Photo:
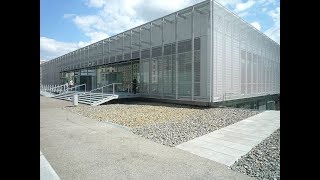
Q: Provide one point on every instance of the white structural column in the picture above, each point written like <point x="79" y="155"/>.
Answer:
<point x="192" y="54"/>
<point x="240" y="60"/>
<point x="102" y="52"/>
<point x="211" y="51"/>
<point x="162" y="59"/>
<point x="109" y="50"/>
<point x="130" y="44"/>
<point x="224" y="63"/>
<point x="176" y="41"/>
<point x="150" y="61"/>
<point x="122" y="46"/>
<point x="140" y="55"/>
<point x="131" y="57"/>
<point x="231" y="56"/>
<point x="88" y="56"/>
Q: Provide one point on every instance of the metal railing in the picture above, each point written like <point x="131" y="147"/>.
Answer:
<point x="85" y="87"/>
<point x="101" y="88"/>
<point x="53" y="88"/>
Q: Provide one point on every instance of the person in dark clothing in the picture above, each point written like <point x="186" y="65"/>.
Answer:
<point x="134" y="86"/>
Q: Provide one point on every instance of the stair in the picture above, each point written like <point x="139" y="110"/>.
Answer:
<point x="95" y="99"/>
<point x="92" y="99"/>
<point x="68" y="95"/>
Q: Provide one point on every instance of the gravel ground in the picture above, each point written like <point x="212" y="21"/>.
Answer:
<point x="166" y="124"/>
<point x="138" y="114"/>
<point x="263" y="161"/>
<point x="174" y="133"/>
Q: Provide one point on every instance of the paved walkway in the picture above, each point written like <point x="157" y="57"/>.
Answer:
<point x="83" y="148"/>
<point x="228" y="144"/>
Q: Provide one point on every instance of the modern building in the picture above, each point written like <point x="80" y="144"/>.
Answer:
<point x="41" y="61"/>
<point x="203" y="53"/>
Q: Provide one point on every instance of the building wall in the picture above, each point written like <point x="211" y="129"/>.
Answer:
<point x="41" y="62"/>
<point x="246" y="63"/>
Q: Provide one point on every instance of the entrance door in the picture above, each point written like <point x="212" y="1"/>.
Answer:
<point x="86" y="80"/>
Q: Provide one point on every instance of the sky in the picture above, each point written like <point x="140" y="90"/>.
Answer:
<point x="69" y="25"/>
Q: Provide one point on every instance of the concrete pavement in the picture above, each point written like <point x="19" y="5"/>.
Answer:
<point x="82" y="148"/>
<point x="228" y="144"/>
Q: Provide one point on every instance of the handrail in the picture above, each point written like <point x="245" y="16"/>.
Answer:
<point x="100" y="87"/>
<point x="85" y="87"/>
<point x="104" y="86"/>
<point x="113" y="89"/>
<point x="51" y="89"/>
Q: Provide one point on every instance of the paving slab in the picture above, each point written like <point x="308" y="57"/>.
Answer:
<point x="228" y="144"/>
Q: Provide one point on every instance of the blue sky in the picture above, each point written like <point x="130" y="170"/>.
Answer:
<point x="68" y="25"/>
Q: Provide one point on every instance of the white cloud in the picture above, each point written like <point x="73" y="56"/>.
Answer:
<point x="244" y="6"/>
<point x="92" y="26"/>
<point x="256" y="25"/>
<point x="264" y="9"/>
<point x="274" y="31"/>
<point x="50" y="48"/>
<point x="275" y="14"/>
<point x="115" y="16"/>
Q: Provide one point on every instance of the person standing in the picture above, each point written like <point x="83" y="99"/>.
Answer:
<point x="71" y="84"/>
<point x="134" y="86"/>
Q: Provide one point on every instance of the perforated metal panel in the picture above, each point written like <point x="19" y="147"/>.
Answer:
<point x="144" y="76"/>
<point x="197" y="73"/>
<point x="167" y="49"/>
<point x="156" y="51"/>
<point x="127" y="56"/>
<point x="145" y="53"/>
<point x="184" y="46"/>
<point x="135" y="54"/>
<point x="112" y="59"/>
<point x="119" y="58"/>
<point x="241" y="56"/>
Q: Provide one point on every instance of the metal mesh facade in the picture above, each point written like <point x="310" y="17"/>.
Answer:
<point x="191" y="54"/>
<point x="246" y="63"/>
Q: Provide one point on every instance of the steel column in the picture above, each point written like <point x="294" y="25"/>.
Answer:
<point x="150" y="61"/>
<point x="162" y="54"/>
<point x="192" y="54"/>
<point x="176" y="41"/>
<point x="211" y="59"/>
